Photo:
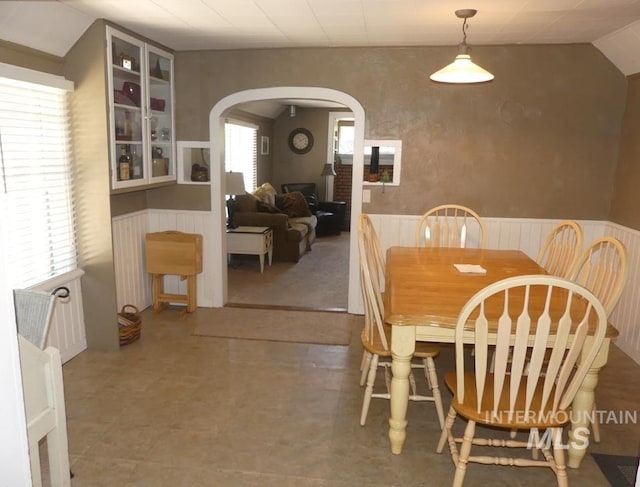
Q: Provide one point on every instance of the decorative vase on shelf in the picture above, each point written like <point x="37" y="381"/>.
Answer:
<point x="374" y="164"/>
<point x="157" y="71"/>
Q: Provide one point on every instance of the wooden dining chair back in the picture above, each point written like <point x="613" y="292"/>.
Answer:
<point x="602" y="268"/>
<point x="561" y="249"/>
<point x="371" y="282"/>
<point x="541" y="326"/>
<point x="376" y="334"/>
<point x="451" y="226"/>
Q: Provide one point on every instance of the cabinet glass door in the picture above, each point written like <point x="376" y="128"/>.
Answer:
<point x="160" y="127"/>
<point x="127" y="100"/>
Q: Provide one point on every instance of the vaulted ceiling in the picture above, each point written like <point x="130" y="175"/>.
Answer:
<point x="53" y="26"/>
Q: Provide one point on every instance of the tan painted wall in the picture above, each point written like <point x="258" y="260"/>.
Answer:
<point x="290" y="167"/>
<point x="26" y="57"/>
<point x="625" y="207"/>
<point x="85" y="65"/>
<point x="540" y="141"/>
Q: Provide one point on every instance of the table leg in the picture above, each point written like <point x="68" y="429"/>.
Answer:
<point x="270" y="255"/>
<point x="192" y="293"/>
<point x="582" y="409"/>
<point x="403" y="345"/>
<point x="261" y="256"/>
<point x="157" y="285"/>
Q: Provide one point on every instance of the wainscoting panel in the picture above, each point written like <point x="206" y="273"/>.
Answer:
<point x="502" y="233"/>
<point x="188" y="222"/>
<point x="527" y="235"/>
<point x="133" y="284"/>
<point x="626" y="316"/>
<point x="67" y="331"/>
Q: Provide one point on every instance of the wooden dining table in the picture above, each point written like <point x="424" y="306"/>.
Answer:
<point x="424" y="294"/>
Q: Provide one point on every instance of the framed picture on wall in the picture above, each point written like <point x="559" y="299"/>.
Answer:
<point x="264" y="145"/>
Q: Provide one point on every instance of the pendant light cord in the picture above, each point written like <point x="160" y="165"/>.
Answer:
<point x="464" y="31"/>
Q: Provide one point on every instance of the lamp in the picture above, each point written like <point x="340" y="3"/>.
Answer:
<point x="462" y="69"/>
<point x="327" y="170"/>
<point x="234" y="182"/>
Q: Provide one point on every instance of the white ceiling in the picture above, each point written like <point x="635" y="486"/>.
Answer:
<point x="53" y="26"/>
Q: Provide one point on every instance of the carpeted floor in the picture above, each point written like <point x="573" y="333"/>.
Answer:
<point x="620" y="471"/>
<point x="320" y="279"/>
<point x="275" y="325"/>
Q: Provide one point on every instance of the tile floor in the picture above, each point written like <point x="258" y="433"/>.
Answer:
<point x="177" y="410"/>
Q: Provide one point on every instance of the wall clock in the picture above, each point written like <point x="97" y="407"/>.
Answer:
<point x="300" y="141"/>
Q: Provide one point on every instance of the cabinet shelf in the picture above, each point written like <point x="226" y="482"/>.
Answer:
<point x="158" y="81"/>
<point x="133" y="108"/>
<point x="129" y="73"/>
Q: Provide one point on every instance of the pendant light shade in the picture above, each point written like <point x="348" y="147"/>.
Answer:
<point x="462" y="69"/>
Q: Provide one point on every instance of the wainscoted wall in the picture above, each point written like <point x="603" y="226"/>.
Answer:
<point x="66" y="332"/>
<point x="133" y="284"/>
<point x="626" y="316"/>
<point x="527" y="235"/>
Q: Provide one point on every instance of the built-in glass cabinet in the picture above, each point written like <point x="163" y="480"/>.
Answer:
<point x="142" y="144"/>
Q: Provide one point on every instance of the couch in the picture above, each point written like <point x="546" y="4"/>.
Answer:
<point x="292" y="234"/>
<point x="330" y="214"/>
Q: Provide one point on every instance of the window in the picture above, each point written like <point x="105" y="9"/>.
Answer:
<point x="35" y="176"/>
<point x="241" y="151"/>
<point x="346" y="135"/>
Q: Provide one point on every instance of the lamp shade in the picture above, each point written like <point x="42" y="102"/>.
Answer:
<point x="462" y="70"/>
<point x="234" y="183"/>
<point x="327" y="170"/>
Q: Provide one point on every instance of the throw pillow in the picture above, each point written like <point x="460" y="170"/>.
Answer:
<point x="267" y="193"/>
<point x="266" y="207"/>
<point x="293" y="204"/>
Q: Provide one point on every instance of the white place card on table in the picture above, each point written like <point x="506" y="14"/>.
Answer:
<point x="470" y="268"/>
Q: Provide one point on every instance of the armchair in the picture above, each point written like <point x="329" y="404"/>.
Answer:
<point x="330" y="214"/>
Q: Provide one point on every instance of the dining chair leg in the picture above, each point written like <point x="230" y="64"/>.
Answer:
<point x="558" y="456"/>
<point x="368" y="392"/>
<point x="364" y="367"/>
<point x="435" y="389"/>
<point x="446" y="435"/>
<point x="465" y="451"/>
<point x="426" y="373"/>
<point x="595" y="425"/>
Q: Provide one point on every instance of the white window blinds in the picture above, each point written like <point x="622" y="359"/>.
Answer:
<point x="35" y="167"/>
<point x="241" y="151"/>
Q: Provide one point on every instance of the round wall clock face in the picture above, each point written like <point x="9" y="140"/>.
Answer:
<point x="300" y="141"/>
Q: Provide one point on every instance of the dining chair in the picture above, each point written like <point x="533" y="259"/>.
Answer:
<point x="376" y="334"/>
<point x="450" y="226"/>
<point x="559" y="251"/>
<point x="572" y="325"/>
<point x="561" y="248"/>
<point x="602" y="268"/>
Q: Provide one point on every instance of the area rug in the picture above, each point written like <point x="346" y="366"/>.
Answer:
<point x="276" y="325"/>
<point x="620" y="471"/>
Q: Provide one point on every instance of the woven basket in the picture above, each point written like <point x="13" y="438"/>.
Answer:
<point x="129" y="324"/>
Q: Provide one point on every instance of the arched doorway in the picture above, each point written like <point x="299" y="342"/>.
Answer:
<point x="216" y="251"/>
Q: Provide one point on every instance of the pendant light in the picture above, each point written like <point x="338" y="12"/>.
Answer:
<point x="462" y="69"/>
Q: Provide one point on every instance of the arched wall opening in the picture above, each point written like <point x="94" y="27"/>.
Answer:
<point x="216" y="251"/>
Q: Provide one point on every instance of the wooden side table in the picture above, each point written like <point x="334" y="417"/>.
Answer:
<point x="250" y="241"/>
<point x="174" y="253"/>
